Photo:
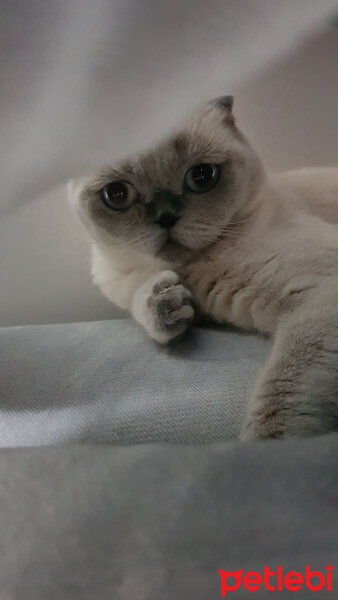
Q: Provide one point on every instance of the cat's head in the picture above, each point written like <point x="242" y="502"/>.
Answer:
<point x="177" y="198"/>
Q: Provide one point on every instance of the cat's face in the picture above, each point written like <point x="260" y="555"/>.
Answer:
<point x="178" y="198"/>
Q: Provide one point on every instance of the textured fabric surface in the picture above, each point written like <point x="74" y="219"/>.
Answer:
<point x="152" y="521"/>
<point x="108" y="382"/>
<point x="156" y="523"/>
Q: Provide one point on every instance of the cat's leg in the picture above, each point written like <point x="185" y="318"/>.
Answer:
<point x="297" y="392"/>
<point x="163" y="306"/>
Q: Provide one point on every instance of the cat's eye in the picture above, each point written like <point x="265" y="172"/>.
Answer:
<point x="201" y="178"/>
<point x="118" y="195"/>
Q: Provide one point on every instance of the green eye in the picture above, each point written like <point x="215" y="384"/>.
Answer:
<point x="201" y="178"/>
<point x="118" y="195"/>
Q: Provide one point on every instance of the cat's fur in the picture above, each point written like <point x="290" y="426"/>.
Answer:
<point x="257" y="251"/>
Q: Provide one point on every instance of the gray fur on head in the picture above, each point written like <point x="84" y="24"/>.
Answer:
<point x="208" y="137"/>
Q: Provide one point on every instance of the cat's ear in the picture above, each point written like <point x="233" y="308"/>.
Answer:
<point x="225" y="104"/>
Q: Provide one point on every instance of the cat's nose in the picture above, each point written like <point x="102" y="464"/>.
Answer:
<point x="167" y="220"/>
<point x="164" y="208"/>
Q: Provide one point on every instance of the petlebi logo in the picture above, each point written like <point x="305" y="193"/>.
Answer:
<point x="276" y="580"/>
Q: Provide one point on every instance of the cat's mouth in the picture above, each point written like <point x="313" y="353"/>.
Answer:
<point x="171" y="249"/>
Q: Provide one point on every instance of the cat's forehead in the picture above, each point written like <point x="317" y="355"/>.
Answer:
<point x="205" y="138"/>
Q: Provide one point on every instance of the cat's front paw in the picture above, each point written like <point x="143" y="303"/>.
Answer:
<point x="164" y="307"/>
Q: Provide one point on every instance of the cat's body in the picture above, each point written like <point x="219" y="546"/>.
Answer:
<point x="294" y="250"/>
<point x="266" y="261"/>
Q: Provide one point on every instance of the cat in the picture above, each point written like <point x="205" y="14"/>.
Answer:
<point x="196" y="227"/>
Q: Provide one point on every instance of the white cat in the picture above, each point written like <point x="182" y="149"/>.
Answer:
<point x="196" y="226"/>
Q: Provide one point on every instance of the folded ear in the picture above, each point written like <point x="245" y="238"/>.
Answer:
<point x="225" y="103"/>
